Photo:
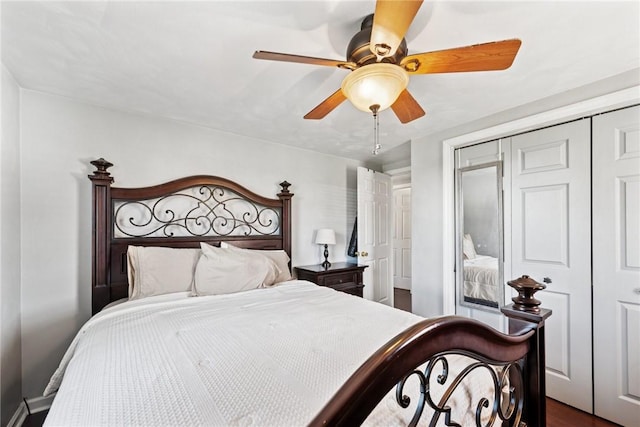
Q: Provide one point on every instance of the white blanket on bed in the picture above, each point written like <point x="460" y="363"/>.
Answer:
<point x="481" y="278"/>
<point x="262" y="357"/>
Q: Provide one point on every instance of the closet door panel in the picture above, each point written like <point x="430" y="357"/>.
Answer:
<point x="550" y="237"/>
<point x="558" y="329"/>
<point x="545" y="224"/>
<point x="616" y="265"/>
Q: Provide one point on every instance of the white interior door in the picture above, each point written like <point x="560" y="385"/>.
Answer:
<point x="374" y="234"/>
<point x="616" y="265"/>
<point x="551" y="229"/>
<point x="402" y="238"/>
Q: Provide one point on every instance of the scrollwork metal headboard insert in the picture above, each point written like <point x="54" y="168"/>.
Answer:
<point x="204" y="210"/>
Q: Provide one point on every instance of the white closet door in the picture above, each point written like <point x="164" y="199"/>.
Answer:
<point x="551" y="229"/>
<point x="616" y="265"/>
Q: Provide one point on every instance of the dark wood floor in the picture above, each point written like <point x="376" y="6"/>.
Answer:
<point x="402" y="299"/>
<point x="561" y="415"/>
<point x="558" y="415"/>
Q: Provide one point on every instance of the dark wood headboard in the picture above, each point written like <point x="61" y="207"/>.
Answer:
<point x="178" y="214"/>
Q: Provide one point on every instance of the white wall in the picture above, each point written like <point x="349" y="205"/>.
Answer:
<point x="10" y="346"/>
<point x="60" y="137"/>
<point x="426" y="227"/>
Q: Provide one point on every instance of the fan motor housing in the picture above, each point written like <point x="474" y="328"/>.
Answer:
<point x="358" y="49"/>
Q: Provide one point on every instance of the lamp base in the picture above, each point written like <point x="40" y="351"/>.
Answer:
<point x="326" y="264"/>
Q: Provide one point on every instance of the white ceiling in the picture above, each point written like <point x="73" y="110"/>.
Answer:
<point x="192" y="61"/>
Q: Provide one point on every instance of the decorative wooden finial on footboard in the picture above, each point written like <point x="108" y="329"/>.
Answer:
<point x="526" y="288"/>
<point x="525" y="306"/>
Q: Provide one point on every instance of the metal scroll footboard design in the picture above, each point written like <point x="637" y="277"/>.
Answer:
<point x="195" y="212"/>
<point x="505" y="402"/>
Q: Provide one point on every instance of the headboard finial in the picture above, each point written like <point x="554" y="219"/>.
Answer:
<point x="101" y="168"/>
<point x="285" y="186"/>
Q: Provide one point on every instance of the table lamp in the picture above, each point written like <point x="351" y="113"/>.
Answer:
<point x="326" y="236"/>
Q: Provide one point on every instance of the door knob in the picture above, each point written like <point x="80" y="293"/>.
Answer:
<point x="546" y="280"/>
<point x="364" y="253"/>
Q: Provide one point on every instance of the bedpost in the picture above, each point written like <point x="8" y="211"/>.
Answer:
<point x="285" y="196"/>
<point x="100" y="234"/>
<point x="526" y="308"/>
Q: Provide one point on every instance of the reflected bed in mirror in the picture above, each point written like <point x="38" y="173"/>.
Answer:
<point x="479" y="236"/>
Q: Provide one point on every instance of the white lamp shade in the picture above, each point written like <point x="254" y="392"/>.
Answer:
<point x="375" y="84"/>
<point x="326" y="236"/>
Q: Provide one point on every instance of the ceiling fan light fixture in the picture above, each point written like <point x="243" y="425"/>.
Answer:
<point x="375" y="84"/>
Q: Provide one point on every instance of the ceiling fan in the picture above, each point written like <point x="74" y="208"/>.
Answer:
<point x="380" y="65"/>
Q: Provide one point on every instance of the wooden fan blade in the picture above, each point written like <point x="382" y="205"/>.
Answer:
<point x="480" y="57"/>
<point x="391" y="20"/>
<point x="286" y="57"/>
<point x="407" y="108"/>
<point x="326" y="106"/>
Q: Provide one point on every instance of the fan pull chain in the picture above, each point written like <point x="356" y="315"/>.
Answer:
<point x="376" y="129"/>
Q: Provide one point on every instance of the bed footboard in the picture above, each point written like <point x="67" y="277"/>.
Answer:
<point x="516" y="361"/>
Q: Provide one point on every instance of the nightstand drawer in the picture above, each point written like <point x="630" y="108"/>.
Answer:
<point x="338" y="278"/>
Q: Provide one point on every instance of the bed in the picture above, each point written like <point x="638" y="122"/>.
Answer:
<point x="287" y="353"/>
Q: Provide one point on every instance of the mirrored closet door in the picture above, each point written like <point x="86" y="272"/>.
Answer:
<point x="479" y="236"/>
<point x="479" y="232"/>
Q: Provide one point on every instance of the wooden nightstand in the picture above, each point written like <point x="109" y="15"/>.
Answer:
<point x="341" y="276"/>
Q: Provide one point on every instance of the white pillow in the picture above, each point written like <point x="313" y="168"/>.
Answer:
<point x="226" y="270"/>
<point x="278" y="256"/>
<point x="468" y="248"/>
<point x="154" y="270"/>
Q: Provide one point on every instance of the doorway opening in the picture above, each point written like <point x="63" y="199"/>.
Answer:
<point x="401" y="236"/>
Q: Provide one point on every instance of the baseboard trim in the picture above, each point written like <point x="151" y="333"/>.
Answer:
<point x="19" y="416"/>
<point x="39" y="404"/>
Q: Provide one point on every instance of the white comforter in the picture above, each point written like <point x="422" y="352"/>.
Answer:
<point x="481" y="278"/>
<point x="197" y="357"/>
<point x="262" y="357"/>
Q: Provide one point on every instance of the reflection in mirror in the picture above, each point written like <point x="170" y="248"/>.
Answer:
<point x="479" y="236"/>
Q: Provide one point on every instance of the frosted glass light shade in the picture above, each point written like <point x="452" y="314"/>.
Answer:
<point x="378" y="83"/>
<point x="326" y="236"/>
